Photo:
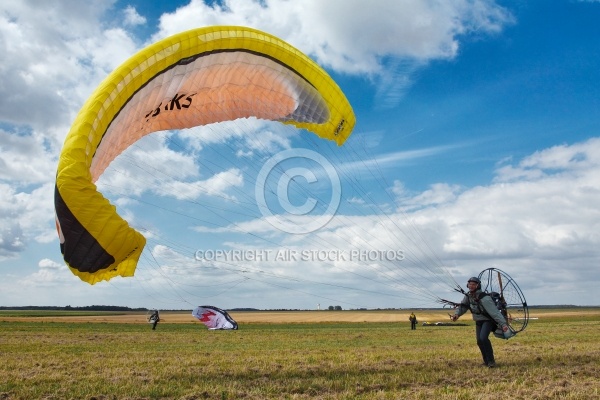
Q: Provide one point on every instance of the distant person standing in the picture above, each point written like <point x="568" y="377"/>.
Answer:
<point x="413" y="321"/>
<point x="154" y="318"/>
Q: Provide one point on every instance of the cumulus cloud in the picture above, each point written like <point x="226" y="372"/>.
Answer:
<point x="50" y="264"/>
<point x="522" y="223"/>
<point x="53" y="55"/>
<point x="25" y="217"/>
<point x="349" y="35"/>
<point x="216" y="185"/>
<point x="387" y="40"/>
<point x="132" y="17"/>
<point x="542" y="213"/>
<point x="562" y="159"/>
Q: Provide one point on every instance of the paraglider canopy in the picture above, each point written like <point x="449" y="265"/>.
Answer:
<point x="199" y="77"/>
<point x="214" y="318"/>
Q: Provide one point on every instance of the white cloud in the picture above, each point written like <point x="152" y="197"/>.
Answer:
<point x="25" y="217"/>
<point x="369" y="164"/>
<point x="151" y="166"/>
<point x="349" y="35"/>
<point x="49" y="59"/>
<point x="50" y="264"/>
<point x="53" y="55"/>
<point x="25" y="158"/>
<point x="42" y="285"/>
<point x="251" y="134"/>
<point x="148" y="165"/>
<point x="542" y="216"/>
<point x="556" y="160"/>
<point x="216" y="185"/>
<point x="387" y="39"/>
<point x="547" y="222"/>
<point x="132" y="17"/>
<point x="439" y="193"/>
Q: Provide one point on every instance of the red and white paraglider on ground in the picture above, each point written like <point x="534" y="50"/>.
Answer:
<point x="214" y="318"/>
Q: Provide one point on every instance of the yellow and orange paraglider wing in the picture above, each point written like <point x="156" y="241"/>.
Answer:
<point x="198" y="77"/>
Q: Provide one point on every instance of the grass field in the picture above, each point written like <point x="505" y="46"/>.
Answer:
<point x="293" y="355"/>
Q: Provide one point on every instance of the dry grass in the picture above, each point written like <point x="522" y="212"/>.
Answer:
<point x="242" y="317"/>
<point x="557" y="357"/>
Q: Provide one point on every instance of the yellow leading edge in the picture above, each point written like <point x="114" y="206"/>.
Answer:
<point x="203" y="76"/>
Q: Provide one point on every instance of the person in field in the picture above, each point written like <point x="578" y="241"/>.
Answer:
<point x="487" y="318"/>
<point x="413" y="321"/>
<point x="154" y="318"/>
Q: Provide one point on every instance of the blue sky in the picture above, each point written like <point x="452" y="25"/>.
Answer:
<point x="477" y="145"/>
